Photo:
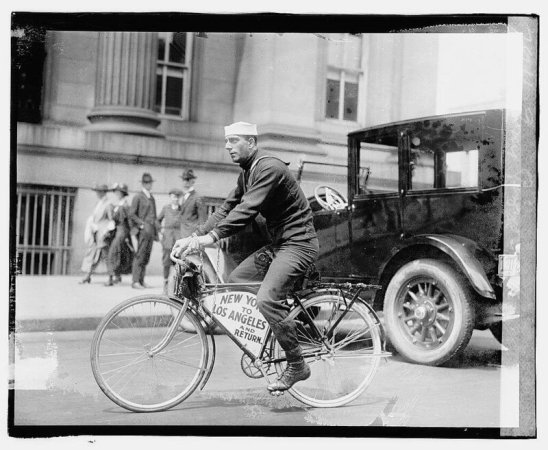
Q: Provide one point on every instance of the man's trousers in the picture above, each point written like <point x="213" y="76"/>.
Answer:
<point x="290" y="261"/>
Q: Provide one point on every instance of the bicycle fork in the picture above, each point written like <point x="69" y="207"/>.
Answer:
<point x="170" y="332"/>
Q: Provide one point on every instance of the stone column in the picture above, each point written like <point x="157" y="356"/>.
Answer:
<point x="125" y="84"/>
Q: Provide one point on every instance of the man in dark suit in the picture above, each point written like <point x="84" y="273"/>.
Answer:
<point x="193" y="210"/>
<point x="142" y="216"/>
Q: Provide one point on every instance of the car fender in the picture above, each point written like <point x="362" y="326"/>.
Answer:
<point x="461" y="251"/>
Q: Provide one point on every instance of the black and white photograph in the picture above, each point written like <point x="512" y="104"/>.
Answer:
<point x="273" y="224"/>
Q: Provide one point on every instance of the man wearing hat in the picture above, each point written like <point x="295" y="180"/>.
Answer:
<point x="266" y="186"/>
<point x="193" y="210"/>
<point x="96" y="233"/>
<point x="142" y="217"/>
<point x="169" y="220"/>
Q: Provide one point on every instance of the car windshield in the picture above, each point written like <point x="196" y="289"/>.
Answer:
<point x="378" y="159"/>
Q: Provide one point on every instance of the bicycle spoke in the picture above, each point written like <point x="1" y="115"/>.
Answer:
<point x="134" y="362"/>
<point x="126" y="372"/>
<point x="182" y="363"/>
<point x="177" y="346"/>
<point x="129" y="379"/>
<point x="349" y="339"/>
<point x="121" y="354"/>
<point x="305" y="338"/>
<point x="343" y="366"/>
<point x="120" y="344"/>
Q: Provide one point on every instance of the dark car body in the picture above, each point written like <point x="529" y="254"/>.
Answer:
<point x="429" y="189"/>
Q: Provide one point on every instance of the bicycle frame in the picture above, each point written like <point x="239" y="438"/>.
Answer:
<point x="342" y="339"/>
<point x="199" y="308"/>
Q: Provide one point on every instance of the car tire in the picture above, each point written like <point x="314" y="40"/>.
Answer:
<point x="428" y="312"/>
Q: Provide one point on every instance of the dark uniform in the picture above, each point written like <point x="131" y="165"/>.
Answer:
<point x="193" y="213"/>
<point x="266" y="186"/>
<point x="143" y="219"/>
<point x="171" y="231"/>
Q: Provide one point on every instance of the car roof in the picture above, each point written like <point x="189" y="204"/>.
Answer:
<point x="421" y="119"/>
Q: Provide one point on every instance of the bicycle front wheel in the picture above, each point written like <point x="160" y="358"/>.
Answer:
<point x="343" y="358"/>
<point x="130" y="374"/>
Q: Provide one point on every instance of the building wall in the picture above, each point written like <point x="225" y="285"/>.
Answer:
<point x="275" y="80"/>
<point x="69" y="77"/>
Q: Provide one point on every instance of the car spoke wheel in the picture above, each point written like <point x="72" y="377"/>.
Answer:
<point x="428" y="313"/>
<point x="425" y="312"/>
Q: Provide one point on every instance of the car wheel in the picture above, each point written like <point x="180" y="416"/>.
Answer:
<point x="428" y="312"/>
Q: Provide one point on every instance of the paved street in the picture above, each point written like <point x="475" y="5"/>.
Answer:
<point x="52" y="370"/>
<point x="54" y="385"/>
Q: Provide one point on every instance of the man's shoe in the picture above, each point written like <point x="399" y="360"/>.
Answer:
<point x="294" y="372"/>
<point x="109" y="282"/>
<point x="117" y="279"/>
<point x="144" y="285"/>
<point x="136" y="285"/>
<point x="86" y="280"/>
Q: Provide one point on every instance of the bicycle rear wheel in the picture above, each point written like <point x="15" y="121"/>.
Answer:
<point x="129" y="374"/>
<point x="343" y="360"/>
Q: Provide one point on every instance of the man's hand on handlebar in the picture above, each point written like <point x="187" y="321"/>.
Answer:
<point x="190" y="244"/>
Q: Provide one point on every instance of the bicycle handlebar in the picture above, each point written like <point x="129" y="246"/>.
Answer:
<point x="180" y="260"/>
<point x="175" y="259"/>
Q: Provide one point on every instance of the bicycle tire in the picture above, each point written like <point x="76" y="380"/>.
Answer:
<point x="128" y="374"/>
<point x="338" y="377"/>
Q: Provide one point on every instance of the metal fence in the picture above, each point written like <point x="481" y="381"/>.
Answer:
<point x="212" y="203"/>
<point x="44" y="229"/>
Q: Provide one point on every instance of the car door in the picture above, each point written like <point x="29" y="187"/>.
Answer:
<point x="375" y="218"/>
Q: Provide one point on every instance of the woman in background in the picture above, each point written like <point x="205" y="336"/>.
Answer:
<point x="170" y="220"/>
<point x="120" y="255"/>
<point x="97" y="233"/>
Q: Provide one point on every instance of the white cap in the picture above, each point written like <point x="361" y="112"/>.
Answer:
<point x="242" y="129"/>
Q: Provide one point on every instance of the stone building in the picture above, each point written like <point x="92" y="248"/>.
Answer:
<point x="104" y="107"/>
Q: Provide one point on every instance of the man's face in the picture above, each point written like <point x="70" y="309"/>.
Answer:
<point x="148" y="185"/>
<point x="187" y="184"/>
<point x="174" y="199"/>
<point x="239" y="147"/>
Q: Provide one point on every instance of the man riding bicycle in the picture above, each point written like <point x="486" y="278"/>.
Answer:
<point x="266" y="186"/>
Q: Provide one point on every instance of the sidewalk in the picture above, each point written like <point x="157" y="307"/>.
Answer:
<point x="60" y="303"/>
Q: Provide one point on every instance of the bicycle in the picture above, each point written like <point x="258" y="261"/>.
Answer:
<point x="152" y="352"/>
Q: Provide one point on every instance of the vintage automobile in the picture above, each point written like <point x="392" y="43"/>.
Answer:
<point x="423" y="218"/>
<point x="421" y="215"/>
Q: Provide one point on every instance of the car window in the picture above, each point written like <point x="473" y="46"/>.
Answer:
<point x="443" y="154"/>
<point x="378" y="171"/>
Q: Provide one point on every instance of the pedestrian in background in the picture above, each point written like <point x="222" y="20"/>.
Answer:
<point x="120" y="253"/>
<point x="169" y="220"/>
<point x="193" y="210"/>
<point x="97" y="233"/>
<point x="144" y="226"/>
